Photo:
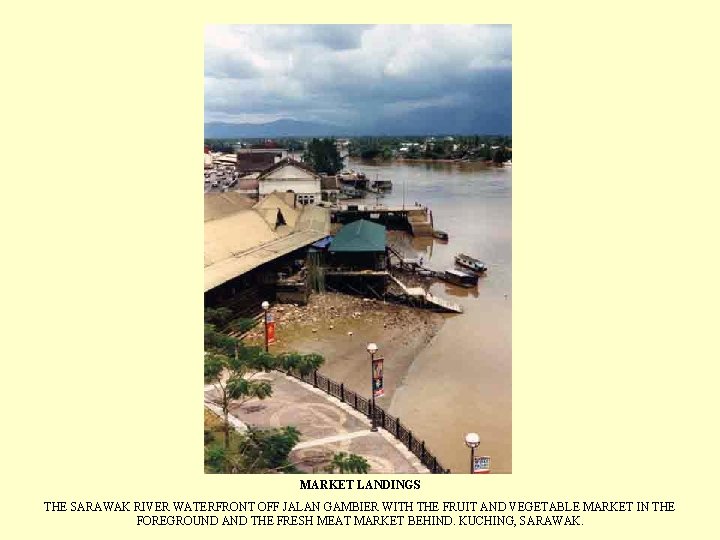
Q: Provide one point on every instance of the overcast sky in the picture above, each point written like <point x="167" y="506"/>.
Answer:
<point x="354" y="73"/>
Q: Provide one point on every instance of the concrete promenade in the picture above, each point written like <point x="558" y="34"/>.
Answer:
<point x="326" y="425"/>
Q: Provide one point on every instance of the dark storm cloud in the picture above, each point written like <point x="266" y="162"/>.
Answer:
<point x="354" y="74"/>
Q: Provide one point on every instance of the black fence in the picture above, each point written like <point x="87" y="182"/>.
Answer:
<point x="383" y="420"/>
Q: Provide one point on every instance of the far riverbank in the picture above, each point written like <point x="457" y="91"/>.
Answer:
<point x="426" y="160"/>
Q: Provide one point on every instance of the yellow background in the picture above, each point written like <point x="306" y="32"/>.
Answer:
<point x="615" y="263"/>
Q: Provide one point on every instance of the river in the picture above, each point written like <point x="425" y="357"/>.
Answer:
<point x="462" y="382"/>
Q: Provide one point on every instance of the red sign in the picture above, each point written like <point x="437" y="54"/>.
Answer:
<point x="377" y="377"/>
<point x="270" y="329"/>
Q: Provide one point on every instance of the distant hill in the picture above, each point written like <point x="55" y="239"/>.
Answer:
<point x="278" y="128"/>
<point x="426" y="121"/>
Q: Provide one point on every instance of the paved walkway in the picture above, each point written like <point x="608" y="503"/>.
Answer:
<point x="326" y="427"/>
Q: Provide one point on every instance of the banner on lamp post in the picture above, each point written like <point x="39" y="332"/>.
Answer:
<point x="377" y="377"/>
<point x="481" y="465"/>
<point x="270" y="328"/>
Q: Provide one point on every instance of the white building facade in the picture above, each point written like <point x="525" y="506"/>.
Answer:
<point x="291" y="176"/>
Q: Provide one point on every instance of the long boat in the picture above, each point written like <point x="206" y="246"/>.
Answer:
<point x="466" y="261"/>
<point x="456" y="277"/>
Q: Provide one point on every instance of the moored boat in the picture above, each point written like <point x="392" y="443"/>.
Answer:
<point x="381" y="185"/>
<point x="456" y="277"/>
<point x="440" y="235"/>
<point x="466" y="261"/>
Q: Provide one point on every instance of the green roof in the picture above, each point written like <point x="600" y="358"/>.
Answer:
<point x="359" y="236"/>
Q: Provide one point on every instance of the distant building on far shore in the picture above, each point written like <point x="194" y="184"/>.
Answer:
<point x="258" y="159"/>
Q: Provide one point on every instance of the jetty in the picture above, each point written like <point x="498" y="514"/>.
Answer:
<point x="421" y="297"/>
<point x="415" y="219"/>
<point x="412" y="264"/>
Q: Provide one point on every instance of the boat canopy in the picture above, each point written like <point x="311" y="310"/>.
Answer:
<point x="457" y="273"/>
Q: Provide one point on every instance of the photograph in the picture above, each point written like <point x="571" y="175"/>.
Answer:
<point x="357" y="249"/>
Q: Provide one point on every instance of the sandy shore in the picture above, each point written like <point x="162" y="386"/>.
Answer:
<point x="339" y="327"/>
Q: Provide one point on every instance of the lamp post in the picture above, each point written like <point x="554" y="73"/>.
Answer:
<point x="266" y="305"/>
<point x="372" y="349"/>
<point x="472" y="440"/>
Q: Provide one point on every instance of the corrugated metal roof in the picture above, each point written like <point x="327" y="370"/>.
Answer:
<point x="237" y="243"/>
<point x="359" y="236"/>
<point x="218" y="205"/>
<point x="288" y="162"/>
<point x="276" y="201"/>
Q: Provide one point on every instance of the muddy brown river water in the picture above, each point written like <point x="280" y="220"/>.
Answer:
<point x="462" y="381"/>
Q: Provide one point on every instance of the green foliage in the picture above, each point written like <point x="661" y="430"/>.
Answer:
<point x="255" y="451"/>
<point x="348" y="464"/>
<point x="218" y="317"/>
<point x="214" y="365"/>
<point x="243" y="389"/>
<point x="209" y="437"/>
<point x="230" y="366"/>
<point x="323" y="156"/>
<point x="241" y="325"/>
<point x="232" y="374"/>
<point x="303" y="364"/>
<point x="222" y="318"/>
<point x="370" y="153"/>
<point x="470" y="147"/>
<point x="215" y="458"/>
<point x="252" y="359"/>
<point x="218" y="342"/>
<point x="221" y="145"/>
<point x="499" y="156"/>
<point x="263" y="450"/>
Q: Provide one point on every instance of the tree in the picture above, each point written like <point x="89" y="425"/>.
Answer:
<point x="302" y="364"/>
<point x="348" y="464"/>
<point x="323" y="156"/>
<point x="218" y="342"/>
<point x="224" y="318"/>
<point x="218" y="317"/>
<point x="231" y="367"/>
<point x="268" y="451"/>
<point x="216" y="458"/>
<point x="256" y="451"/>
<point x="370" y="152"/>
<point x="499" y="156"/>
<point x="232" y="377"/>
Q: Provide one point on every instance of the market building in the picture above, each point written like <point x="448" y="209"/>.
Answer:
<point x="250" y="246"/>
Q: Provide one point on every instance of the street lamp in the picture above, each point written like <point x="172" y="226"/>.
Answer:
<point x="372" y="349"/>
<point x="472" y="440"/>
<point x="266" y="305"/>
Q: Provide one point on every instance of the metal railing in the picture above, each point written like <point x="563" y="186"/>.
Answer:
<point x="384" y="420"/>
